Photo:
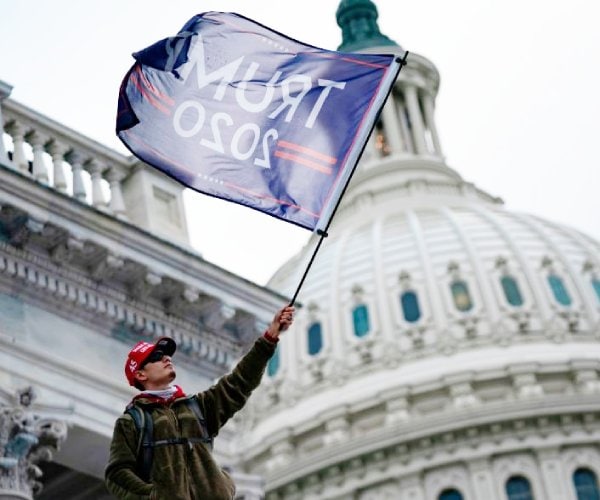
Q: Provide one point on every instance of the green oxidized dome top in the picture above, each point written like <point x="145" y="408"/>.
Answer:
<point x="358" y="20"/>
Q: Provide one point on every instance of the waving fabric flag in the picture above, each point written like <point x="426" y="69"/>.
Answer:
<point x="237" y="111"/>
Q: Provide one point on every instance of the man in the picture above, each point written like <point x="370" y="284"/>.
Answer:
<point x="182" y="466"/>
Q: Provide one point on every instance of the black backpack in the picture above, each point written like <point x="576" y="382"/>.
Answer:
<point x="146" y="444"/>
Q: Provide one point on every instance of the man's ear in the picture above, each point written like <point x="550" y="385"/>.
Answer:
<point x="140" y="376"/>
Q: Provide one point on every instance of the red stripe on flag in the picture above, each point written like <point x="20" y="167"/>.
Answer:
<point x="144" y="92"/>
<point x="349" y="59"/>
<point x="308" y="151"/>
<point x="152" y="88"/>
<point x="135" y="138"/>
<point x="303" y="161"/>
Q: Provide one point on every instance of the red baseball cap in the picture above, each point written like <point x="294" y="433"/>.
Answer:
<point x="140" y="353"/>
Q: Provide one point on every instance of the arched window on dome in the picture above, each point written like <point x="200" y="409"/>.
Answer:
<point x="511" y="290"/>
<point x="559" y="290"/>
<point x="596" y="285"/>
<point x="518" y="488"/>
<point x="450" y="494"/>
<point x="360" y="320"/>
<point x="410" y="306"/>
<point x="461" y="295"/>
<point x="273" y="364"/>
<point x="315" y="338"/>
<point x="586" y="484"/>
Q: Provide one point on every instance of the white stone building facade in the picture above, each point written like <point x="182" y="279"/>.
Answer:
<point x="94" y="256"/>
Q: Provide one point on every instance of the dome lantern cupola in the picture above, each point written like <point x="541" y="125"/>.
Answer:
<point x="405" y="138"/>
<point x="358" y="20"/>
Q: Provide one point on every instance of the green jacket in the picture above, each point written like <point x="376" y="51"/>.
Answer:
<point x="184" y="472"/>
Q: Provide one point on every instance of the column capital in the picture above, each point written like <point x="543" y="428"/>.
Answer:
<point x="36" y="138"/>
<point x="95" y="166"/>
<point x="26" y="438"/>
<point x="56" y="148"/>
<point x="75" y="156"/>
<point x="15" y="129"/>
<point x="115" y="174"/>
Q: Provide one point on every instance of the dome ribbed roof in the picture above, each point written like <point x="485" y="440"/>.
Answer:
<point x="404" y="239"/>
<point x="423" y="237"/>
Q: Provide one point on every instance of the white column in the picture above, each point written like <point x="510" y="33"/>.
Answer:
<point x="57" y="152"/>
<point x="74" y="158"/>
<point x="117" y="205"/>
<point x="39" y="168"/>
<point x="404" y="129"/>
<point x="98" y="201"/>
<point x="336" y="321"/>
<point x="416" y="120"/>
<point x="5" y="91"/>
<point x="430" y="121"/>
<point x="391" y="126"/>
<point x="482" y="479"/>
<point x="552" y="474"/>
<point x="386" y="322"/>
<point x="19" y="159"/>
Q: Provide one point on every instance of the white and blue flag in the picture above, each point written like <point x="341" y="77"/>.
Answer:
<point x="235" y="110"/>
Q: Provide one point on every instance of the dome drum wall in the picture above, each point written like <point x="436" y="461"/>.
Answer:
<point x="431" y="427"/>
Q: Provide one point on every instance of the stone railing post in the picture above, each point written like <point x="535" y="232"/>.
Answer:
<point x="96" y="168"/>
<point x="57" y="151"/>
<point x="117" y="205"/>
<point x="17" y="132"/>
<point x="76" y="161"/>
<point x="39" y="168"/>
<point x="5" y="90"/>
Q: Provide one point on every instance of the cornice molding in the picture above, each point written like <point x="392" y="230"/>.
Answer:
<point x="403" y="450"/>
<point x="83" y="222"/>
<point x="443" y="404"/>
<point x="70" y="293"/>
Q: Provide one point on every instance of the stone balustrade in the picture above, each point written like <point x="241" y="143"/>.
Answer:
<point x="61" y="158"/>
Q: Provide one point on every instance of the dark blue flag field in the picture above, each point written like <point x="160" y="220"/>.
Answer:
<point x="237" y="111"/>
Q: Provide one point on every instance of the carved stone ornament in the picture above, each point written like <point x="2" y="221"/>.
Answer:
<point x="25" y="440"/>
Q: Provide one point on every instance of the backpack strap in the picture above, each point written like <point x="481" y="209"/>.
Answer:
<point x="192" y="403"/>
<point x="145" y="427"/>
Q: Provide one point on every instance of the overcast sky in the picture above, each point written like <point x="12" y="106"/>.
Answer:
<point x="518" y="110"/>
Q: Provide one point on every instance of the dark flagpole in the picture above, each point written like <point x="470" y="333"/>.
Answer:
<point x="323" y="233"/>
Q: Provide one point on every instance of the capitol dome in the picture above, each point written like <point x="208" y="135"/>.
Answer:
<point x="447" y="348"/>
